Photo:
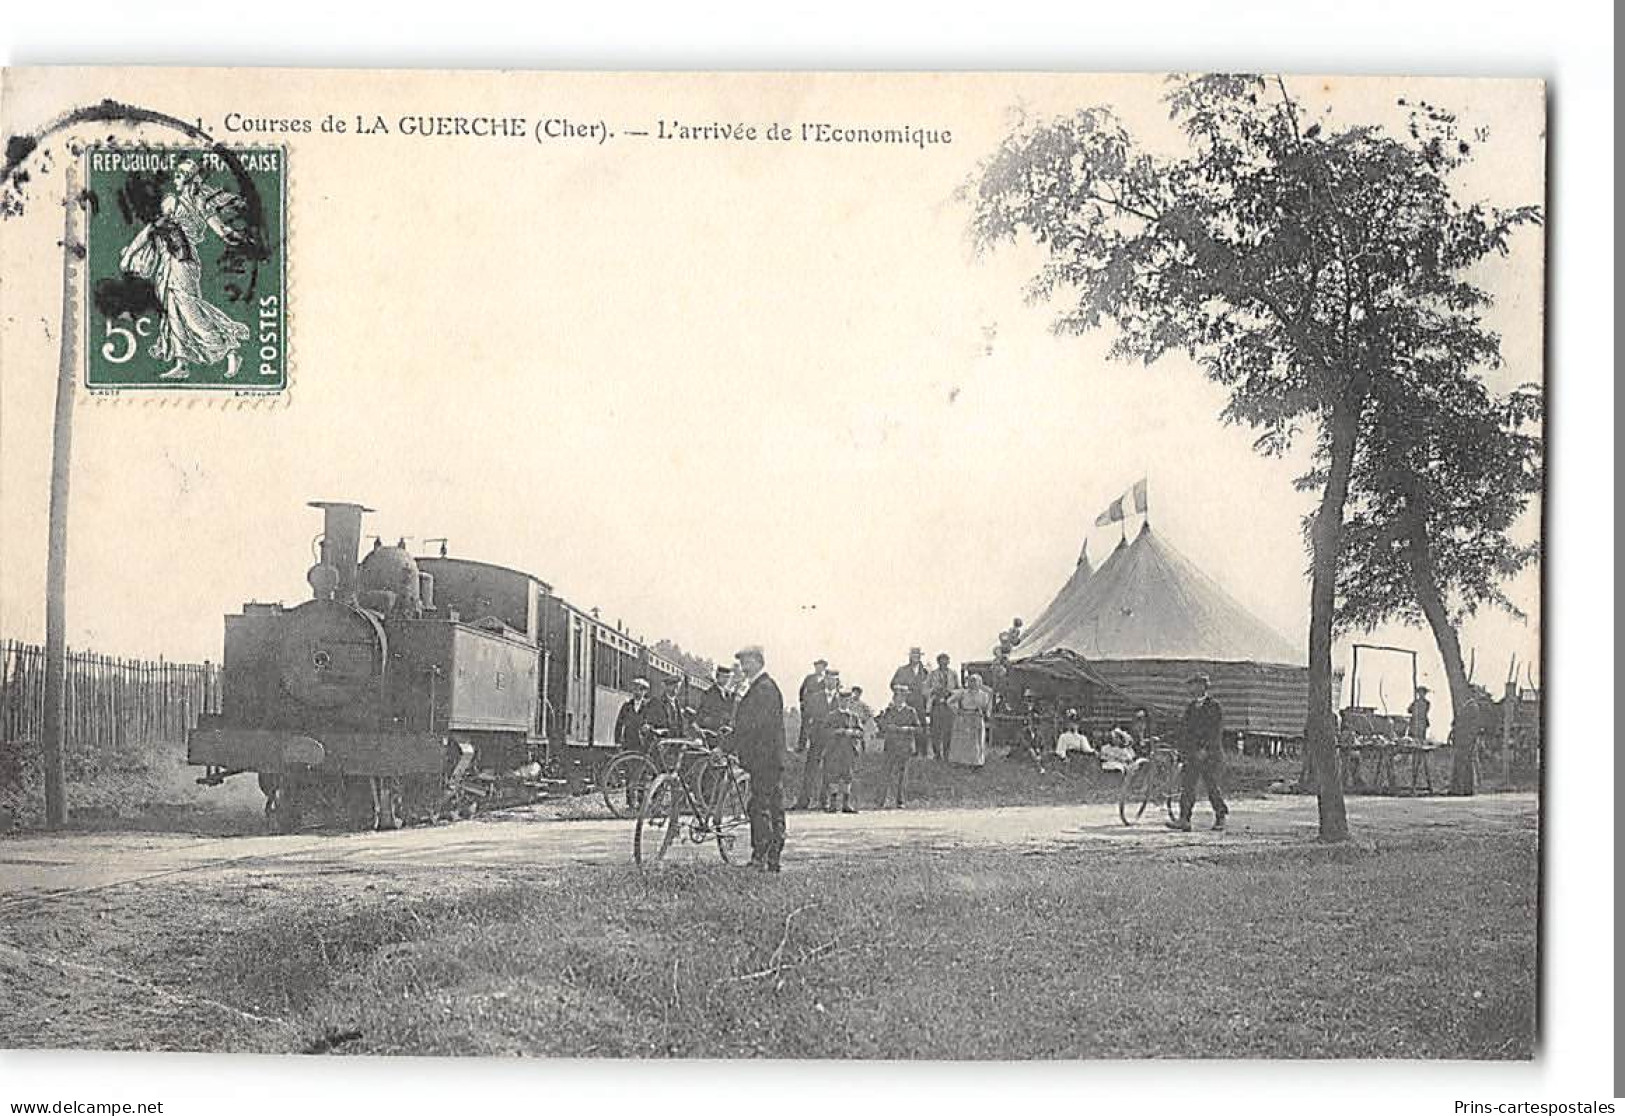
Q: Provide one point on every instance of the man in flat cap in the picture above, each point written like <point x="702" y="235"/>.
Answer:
<point x="629" y="724"/>
<point x="759" y="736"/>
<point x="629" y="721"/>
<point x="913" y="676"/>
<point x="1201" y="751"/>
<point x="900" y="729"/>
<point x="809" y="685"/>
<point x="715" y="711"/>
<point x="664" y="715"/>
<point x="818" y="712"/>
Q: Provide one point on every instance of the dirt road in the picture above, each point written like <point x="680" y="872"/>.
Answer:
<point x="37" y="868"/>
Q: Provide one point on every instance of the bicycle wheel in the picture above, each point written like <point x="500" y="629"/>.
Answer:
<point x="619" y="779"/>
<point x="1171" y="793"/>
<point x="1135" y="792"/>
<point x="659" y="819"/>
<point x="728" y="818"/>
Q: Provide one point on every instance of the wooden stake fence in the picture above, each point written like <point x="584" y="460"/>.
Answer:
<point x="113" y="705"/>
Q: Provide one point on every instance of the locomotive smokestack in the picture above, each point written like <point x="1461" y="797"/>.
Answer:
<point x="341" y="542"/>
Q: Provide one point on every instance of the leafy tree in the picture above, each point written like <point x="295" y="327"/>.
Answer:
<point x="1298" y="263"/>
<point x="1444" y="474"/>
<point x="695" y="665"/>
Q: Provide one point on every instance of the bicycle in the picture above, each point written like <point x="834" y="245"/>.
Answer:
<point x="622" y="780"/>
<point x="1151" y="776"/>
<point x="703" y="795"/>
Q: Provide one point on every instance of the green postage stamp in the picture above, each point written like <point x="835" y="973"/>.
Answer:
<point x="187" y="266"/>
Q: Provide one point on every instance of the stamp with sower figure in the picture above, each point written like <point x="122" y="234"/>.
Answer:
<point x="187" y="269"/>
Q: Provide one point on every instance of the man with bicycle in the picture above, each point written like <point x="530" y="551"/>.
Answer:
<point x="1201" y="751"/>
<point x="716" y="705"/>
<point x="664" y="716"/>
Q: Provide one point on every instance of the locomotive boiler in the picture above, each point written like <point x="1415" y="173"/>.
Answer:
<point x="373" y="698"/>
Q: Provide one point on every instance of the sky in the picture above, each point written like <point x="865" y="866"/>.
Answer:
<point x="726" y="393"/>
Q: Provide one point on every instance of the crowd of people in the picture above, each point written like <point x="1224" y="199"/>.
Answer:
<point x="933" y="713"/>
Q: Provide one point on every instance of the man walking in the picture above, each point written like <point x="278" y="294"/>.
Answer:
<point x="817" y="709"/>
<point x="1201" y="751"/>
<point x="911" y="676"/>
<point x="759" y="736"/>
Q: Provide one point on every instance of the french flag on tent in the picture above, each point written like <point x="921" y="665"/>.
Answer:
<point x="1135" y="497"/>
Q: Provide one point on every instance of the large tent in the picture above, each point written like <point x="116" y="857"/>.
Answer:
<point x="1136" y="629"/>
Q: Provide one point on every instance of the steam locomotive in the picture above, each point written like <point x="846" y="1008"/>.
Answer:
<point x="414" y="688"/>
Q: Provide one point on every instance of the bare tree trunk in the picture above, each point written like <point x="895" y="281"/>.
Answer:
<point x="1326" y="536"/>
<point x="1463" y="724"/>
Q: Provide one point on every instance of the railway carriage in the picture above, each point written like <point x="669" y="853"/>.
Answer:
<point x="413" y="688"/>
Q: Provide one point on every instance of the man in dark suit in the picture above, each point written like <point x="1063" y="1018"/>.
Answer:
<point x="629" y="721"/>
<point x="912" y="677"/>
<point x="664" y="716"/>
<point x="818" y="710"/>
<point x="716" y="706"/>
<point x="810" y="685"/>
<point x="759" y="736"/>
<point x="1201" y="751"/>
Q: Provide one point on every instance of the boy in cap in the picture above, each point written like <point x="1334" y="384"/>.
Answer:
<point x="900" y="729"/>
<point x="841" y="755"/>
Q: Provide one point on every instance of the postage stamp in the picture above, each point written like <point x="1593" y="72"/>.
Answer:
<point x="187" y="275"/>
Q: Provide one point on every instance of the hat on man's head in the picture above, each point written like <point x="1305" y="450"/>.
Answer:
<point x="754" y="650"/>
<point x="1200" y="678"/>
<point x="821" y="662"/>
<point x="915" y="651"/>
<point x="640" y="683"/>
<point x="943" y="658"/>
<point x="1421" y="689"/>
<point x="724" y="668"/>
<point x="832" y="673"/>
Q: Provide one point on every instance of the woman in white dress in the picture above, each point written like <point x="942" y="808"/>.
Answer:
<point x="972" y="707"/>
<point x="165" y="253"/>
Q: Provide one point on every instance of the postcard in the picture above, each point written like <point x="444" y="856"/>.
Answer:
<point x="771" y="565"/>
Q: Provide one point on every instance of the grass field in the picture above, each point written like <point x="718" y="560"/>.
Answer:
<point x="1402" y="949"/>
